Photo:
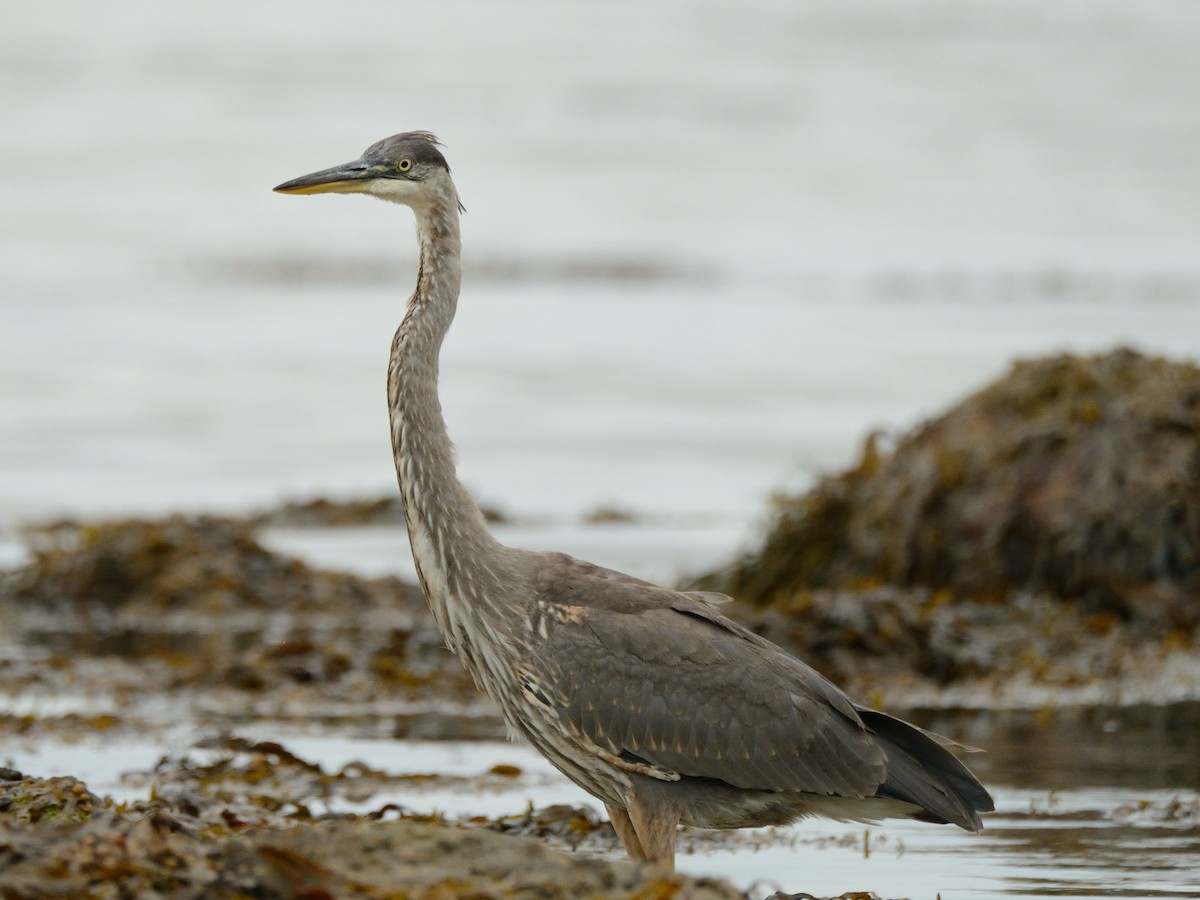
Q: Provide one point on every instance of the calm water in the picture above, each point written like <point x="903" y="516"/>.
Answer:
<point x="1090" y="802"/>
<point x="709" y="247"/>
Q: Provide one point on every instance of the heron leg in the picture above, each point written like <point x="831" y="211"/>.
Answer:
<point x="624" y="829"/>
<point x="654" y="826"/>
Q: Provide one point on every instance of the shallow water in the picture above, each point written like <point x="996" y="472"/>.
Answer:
<point x="709" y="247"/>
<point x="1093" y="806"/>
<point x="1092" y="801"/>
<point x="661" y="552"/>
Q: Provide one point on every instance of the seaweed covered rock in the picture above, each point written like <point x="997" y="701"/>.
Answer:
<point x="193" y="563"/>
<point x="324" y="512"/>
<point x="165" y="855"/>
<point x="197" y="602"/>
<point x="26" y="800"/>
<point x="172" y="849"/>
<point x="1074" y="477"/>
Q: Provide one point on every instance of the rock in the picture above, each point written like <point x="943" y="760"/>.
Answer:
<point x="160" y="852"/>
<point x="26" y="800"/>
<point x="1073" y="477"/>
<point x="199" y="564"/>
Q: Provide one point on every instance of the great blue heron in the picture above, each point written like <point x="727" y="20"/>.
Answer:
<point x="649" y="699"/>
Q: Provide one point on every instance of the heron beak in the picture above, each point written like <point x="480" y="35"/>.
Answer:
<point x="351" y="178"/>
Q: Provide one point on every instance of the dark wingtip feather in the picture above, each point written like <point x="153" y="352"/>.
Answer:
<point x="921" y="770"/>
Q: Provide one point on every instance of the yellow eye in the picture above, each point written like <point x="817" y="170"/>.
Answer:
<point x="404" y="165"/>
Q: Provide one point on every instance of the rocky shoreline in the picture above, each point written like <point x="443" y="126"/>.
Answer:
<point x="904" y="579"/>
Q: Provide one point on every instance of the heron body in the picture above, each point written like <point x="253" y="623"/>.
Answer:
<point x="649" y="699"/>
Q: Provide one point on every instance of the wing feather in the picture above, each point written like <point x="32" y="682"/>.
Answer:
<point x="665" y="677"/>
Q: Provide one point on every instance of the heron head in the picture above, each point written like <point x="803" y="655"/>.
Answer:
<point x="405" y="168"/>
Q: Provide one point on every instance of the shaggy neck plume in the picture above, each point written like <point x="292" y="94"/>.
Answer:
<point x="450" y="541"/>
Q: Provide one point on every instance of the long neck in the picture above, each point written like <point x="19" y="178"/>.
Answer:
<point x="450" y="541"/>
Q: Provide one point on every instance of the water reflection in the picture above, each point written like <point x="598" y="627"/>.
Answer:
<point x="1146" y="747"/>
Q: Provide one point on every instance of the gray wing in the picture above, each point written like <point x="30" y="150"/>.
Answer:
<point x="656" y="676"/>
